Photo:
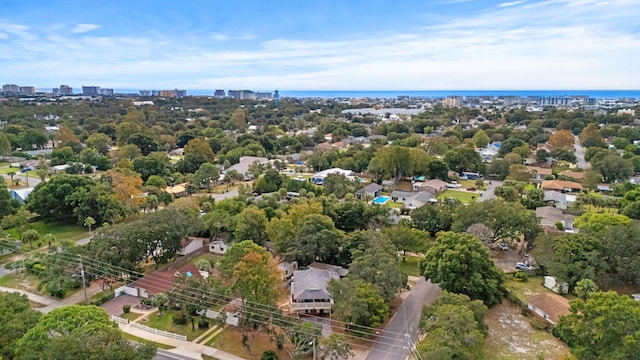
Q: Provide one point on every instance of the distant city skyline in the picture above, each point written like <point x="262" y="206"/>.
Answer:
<point x="332" y="45"/>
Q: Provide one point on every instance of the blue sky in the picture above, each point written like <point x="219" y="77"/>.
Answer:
<point x="322" y="45"/>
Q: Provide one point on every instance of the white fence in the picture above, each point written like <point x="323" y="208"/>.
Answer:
<point x="149" y="329"/>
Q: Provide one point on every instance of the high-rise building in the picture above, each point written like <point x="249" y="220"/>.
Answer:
<point x="106" y="92"/>
<point x="10" y="88"/>
<point x="90" y="90"/>
<point x="235" y="94"/>
<point x="145" y="92"/>
<point x="219" y="94"/>
<point x="180" y="93"/>
<point x="27" y="90"/>
<point x="66" y="90"/>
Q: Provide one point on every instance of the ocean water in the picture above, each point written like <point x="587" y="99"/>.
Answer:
<point x="330" y="94"/>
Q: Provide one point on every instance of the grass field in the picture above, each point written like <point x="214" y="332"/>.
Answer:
<point x="164" y="323"/>
<point x="525" y="290"/>
<point x="22" y="281"/>
<point x="230" y="340"/>
<point x="411" y="266"/>
<point x="145" y="341"/>
<point x="129" y="316"/>
<point x="61" y="231"/>
<point x="463" y="196"/>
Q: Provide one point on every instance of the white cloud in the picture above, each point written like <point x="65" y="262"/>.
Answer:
<point x="225" y="37"/>
<point x="512" y="3"/>
<point x="83" y="28"/>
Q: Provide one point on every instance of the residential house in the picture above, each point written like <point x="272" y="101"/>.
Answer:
<point x="561" y="185"/>
<point x="604" y="188"/>
<point x="59" y="169"/>
<point x="324" y="147"/>
<point x="559" y="199"/>
<point x="159" y="281"/>
<point x="433" y="186"/>
<point x="190" y="245"/>
<point x="20" y="194"/>
<point x="489" y="152"/>
<point x="550" y="216"/>
<point x="412" y="200"/>
<point x="575" y="175"/>
<point x="549" y="307"/>
<point x="177" y="190"/>
<point x="245" y="161"/>
<point x="288" y="269"/>
<point x="309" y="292"/>
<point x="372" y="190"/>
<point x="539" y="173"/>
<point x="318" y="178"/>
<point x="218" y="247"/>
<point x="552" y="283"/>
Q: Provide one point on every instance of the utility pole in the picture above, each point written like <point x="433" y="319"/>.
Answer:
<point x="84" y="284"/>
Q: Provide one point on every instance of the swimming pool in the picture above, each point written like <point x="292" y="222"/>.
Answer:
<point x="381" y="200"/>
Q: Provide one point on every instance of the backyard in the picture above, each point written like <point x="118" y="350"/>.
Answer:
<point x="70" y="232"/>
<point x="165" y="323"/>
<point x="230" y="340"/>
<point x="411" y="266"/>
<point x="461" y="195"/>
<point x="511" y="336"/>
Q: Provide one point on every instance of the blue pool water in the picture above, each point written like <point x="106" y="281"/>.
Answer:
<point x="381" y="199"/>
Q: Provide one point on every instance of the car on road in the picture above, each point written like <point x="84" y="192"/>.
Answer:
<point x="523" y="266"/>
<point x="503" y="246"/>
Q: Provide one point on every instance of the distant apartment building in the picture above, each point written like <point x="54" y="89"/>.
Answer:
<point x="180" y="93"/>
<point x="27" y="90"/>
<point x="90" y="90"/>
<point x="145" y="92"/>
<point x="451" y="101"/>
<point x="10" y="88"/>
<point x="106" y="92"/>
<point x="219" y="94"/>
<point x="263" y="95"/>
<point x="66" y="90"/>
<point x="235" y="94"/>
<point x="166" y="93"/>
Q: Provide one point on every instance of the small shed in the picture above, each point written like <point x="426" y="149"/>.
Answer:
<point x="549" y="307"/>
<point x="552" y="283"/>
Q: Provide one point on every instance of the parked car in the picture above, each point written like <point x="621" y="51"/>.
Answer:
<point x="503" y="246"/>
<point x="523" y="266"/>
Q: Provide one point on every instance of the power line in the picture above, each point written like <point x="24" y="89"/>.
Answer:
<point x="115" y="271"/>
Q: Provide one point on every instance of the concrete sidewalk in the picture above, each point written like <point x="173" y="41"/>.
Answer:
<point x="185" y="348"/>
<point x="46" y="301"/>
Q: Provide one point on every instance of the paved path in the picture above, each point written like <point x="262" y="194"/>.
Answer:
<point x="402" y="331"/>
<point x="489" y="192"/>
<point x="579" y="151"/>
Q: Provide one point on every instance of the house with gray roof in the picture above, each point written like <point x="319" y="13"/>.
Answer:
<point x="372" y="190"/>
<point x="412" y="200"/>
<point x="309" y="292"/>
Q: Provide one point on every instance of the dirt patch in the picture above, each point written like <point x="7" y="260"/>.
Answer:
<point x="511" y="336"/>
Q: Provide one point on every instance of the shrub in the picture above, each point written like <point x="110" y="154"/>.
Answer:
<point x="126" y="308"/>
<point x="559" y="226"/>
<point x="269" y="355"/>
<point x="103" y="299"/>
<point x="179" y="319"/>
<point x="521" y="276"/>
<point x="203" y="324"/>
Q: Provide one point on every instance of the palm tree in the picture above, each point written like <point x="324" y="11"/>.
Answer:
<point x="49" y="238"/>
<point x="584" y="288"/>
<point x="89" y="222"/>
<point x="12" y="174"/>
<point x="30" y="235"/>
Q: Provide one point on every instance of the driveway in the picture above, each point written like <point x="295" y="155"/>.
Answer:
<point x="401" y="333"/>
<point x="488" y="193"/>
<point x="579" y="151"/>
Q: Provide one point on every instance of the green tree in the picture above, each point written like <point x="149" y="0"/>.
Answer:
<point x="145" y="142"/>
<point x="335" y="347"/>
<point x="605" y="326"/>
<point x="251" y="225"/>
<point x="89" y="222"/>
<point x="16" y="318"/>
<point x="30" y="236"/>
<point x="100" y="142"/>
<point x="395" y="160"/>
<point x="584" y="288"/>
<point x="217" y="221"/>
<point x="358" y="304"/>
<point x="338" y="185"/>
<point x="8" y="205"/>
<point x="612" y="167"/>
<point x="207" y="174"/>
<point x="590" y="137"/>
<point x="464" y="159"/>
<point x="481" y="138"/>
<point x="196" y="152"/>
<point x="460" y="263"/>
<point x="406" y="239"/>
<point x="80" y="332"/>
<point x="599" y="222"/>
<point x="269" y="355"/>
<point x="316" y="239"/>
<point x="433" y="218"/>
<point x="5" y="146"/>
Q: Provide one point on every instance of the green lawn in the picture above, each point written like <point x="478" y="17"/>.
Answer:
<point x="22" y="281"/>
<point x="164" y="323"/>
<point x="396" y="205"/>
<point x="129" y="316"/>
<point x="145" y="341"/>
<point x="462" y="196"/>
<point x="61" y="231"/>
<point x="411" y="266"/>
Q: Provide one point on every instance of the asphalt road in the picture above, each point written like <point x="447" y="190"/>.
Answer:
<point x="166" y="355"/>
<point x="402" y="331"/>
<point x="579" y="151"/>
<point x="489" y="192"/>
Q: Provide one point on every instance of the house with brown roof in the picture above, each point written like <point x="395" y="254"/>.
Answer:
<point x="324" y="147"/>
<point x="434" y="186"/>
<point x="539" y="173"/>
<point x="159" y="281"/>
<point x="575" y="175"/>
<point x="549" y="307"/>
<point x="561" y="185"/>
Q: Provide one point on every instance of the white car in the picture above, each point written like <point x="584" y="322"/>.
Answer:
<point x="523" y="266"/>
<point x="503" y="246"/>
